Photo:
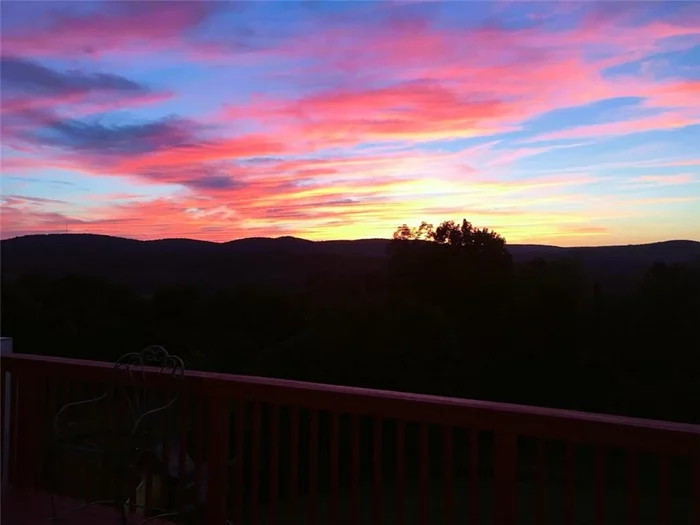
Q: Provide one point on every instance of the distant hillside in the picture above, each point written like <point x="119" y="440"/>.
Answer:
<point x="147" y="264"/>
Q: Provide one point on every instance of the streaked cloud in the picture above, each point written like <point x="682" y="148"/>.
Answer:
<point x="550" y="122"/>
<point x="681" y="178"/>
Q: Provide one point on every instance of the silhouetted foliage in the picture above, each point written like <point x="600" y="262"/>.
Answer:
<point x="460" y="244"/>
<point x="452" y="310"/>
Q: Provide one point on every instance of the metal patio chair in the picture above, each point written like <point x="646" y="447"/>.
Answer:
<point x="119" y="430"/>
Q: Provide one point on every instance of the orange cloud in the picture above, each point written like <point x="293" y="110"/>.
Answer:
<point x="234" y="148"/>
<point x="412" y="111"/>
<point x="346" y="162"/>
<point x="342" y="210"/>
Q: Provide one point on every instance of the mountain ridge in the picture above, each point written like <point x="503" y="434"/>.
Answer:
<point x="291" y="238"/>
<point x="152" y="263"/>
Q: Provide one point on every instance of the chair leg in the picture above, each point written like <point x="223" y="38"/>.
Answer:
<point x="52" y="480"/>
<point x="123" y="518"/>
<point x="54" y="518"/>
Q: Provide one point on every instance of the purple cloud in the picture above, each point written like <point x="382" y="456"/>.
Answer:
<point x="27" y="77"/>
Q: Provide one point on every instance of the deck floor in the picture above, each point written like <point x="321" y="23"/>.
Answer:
<point x="24" y="507"/>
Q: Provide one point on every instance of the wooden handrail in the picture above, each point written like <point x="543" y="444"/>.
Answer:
<point x="551" y="423"/>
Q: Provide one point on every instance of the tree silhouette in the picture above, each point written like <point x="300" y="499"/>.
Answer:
<point x="463" y="251"/>
<point x="424" y="232"/>
<point x="452" y="279"/>
<point x="463" y="237"/>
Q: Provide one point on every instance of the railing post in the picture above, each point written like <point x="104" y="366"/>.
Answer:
<point x="695" y="490"/>
<point x="217" y="468"/>
<point x="505" y="477"/>
<point x="6" y="349"/>
<point x="29" y="446"/>
<point x="22" y="425"/>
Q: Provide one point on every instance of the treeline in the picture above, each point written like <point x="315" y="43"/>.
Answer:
<point x="451" y="315"/>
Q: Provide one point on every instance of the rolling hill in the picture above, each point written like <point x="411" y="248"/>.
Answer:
<point x="148" y="264"/>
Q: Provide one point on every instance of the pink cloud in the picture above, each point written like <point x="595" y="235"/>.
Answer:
<point x="665" y="121"/>
<point x="672" y="180"/>
<point x="348" y="210"/>
<point x="188" y="155"/>
<point x="442" y="89"/>
<point x="192" y="217"/>
<point x="676" y="94"/>
<point x="688" y="162"/>
<point x="80" y="104"/>
<point x="351" y="206"/>
<point x="406" y="82"/>
<point x="120" y="27"/>
<point x="22" y="164"/>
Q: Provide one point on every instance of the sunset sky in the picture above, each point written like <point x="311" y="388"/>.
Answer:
<point x="561" y="123"/>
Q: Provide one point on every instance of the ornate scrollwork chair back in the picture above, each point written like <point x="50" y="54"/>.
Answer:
<point x="134" y="411"/>
<point x="142" y="399"/>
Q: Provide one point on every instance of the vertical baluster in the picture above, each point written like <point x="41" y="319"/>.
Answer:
<point x="540" y="501"/>
<point x="147" y="469"/>
<point x="505" y="464"/>
<point x="102" y="409"/>
<point x="90" y="416"/>
<point x="123" y="424"/>
<point x="217" y="464"/>
<point x="200" y="405"/>
<point x="424" y="473"/>
<point x="163" y="497"/>
<point x="600" y="486"/>
<point x="38" y="428"/>
<point x="24" y="451"/>
<point x="473" y="477"/>
<point x="664" y="491"/>
<point x="182" y="471"/>
<point x="239" y="456"/>
<point x="313" y="467"/>
<point x="334" y="510"/>
<point x="355" y="473"/>
<point x="4" y="434"/>
<point x="695" y="486"/>
<point x="9" y="425"/>
<point x="449" y="506"/>
<point x="274" y="463"/>
<point x="569" y="482"/>
<point x="55" y="460"/>
<point x="255" y="464"/>
<point x="24" y="429"/>
<point x="108" y="417"/>
<point x="50" y="436"/>
<point x="401" y="472"/>
<point x="294" y="470"/>
<point x="633" y="488"/>
<point x="12" y="456"/>
<point x="377" y="453"/>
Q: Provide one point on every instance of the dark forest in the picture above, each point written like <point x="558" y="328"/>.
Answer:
<point x="448" y="310"/>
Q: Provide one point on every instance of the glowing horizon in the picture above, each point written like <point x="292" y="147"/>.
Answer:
<point x="555" y="123"/>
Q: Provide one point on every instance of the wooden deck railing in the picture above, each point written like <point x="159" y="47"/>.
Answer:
<point x="278" y="451"/>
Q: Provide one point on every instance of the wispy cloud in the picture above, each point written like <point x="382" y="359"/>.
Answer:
<point x="329" y="120"/>
<point x="666" y="121"/>
<point x="66" y="30"/>
<point x="27" y="85"/>
<point x="667" y="180"/>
